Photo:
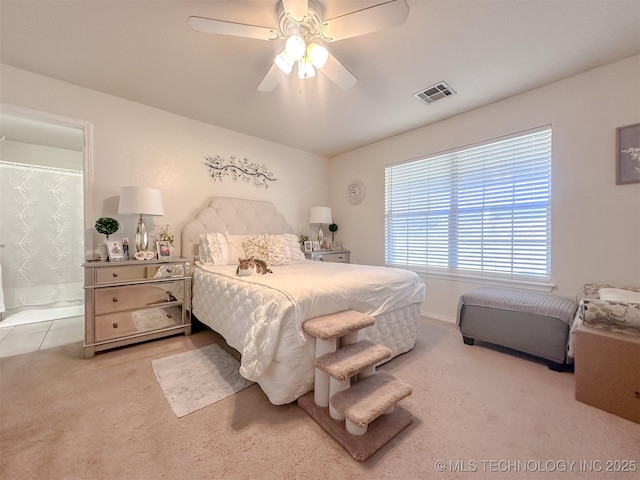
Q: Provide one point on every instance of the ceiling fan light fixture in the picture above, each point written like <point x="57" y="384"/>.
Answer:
<point x="305" y="68"/>
<point x="295" y="47"/>
<point x="284" y="63"/>
<point x="318" y="55"/>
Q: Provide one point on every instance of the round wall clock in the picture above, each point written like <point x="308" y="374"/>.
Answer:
<point x="355" y="192"/>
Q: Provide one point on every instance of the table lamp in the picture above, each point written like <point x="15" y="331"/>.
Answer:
<point x="320" y="216"/>
<point x="141" y="201"/>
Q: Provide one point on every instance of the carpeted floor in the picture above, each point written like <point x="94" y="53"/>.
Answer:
<point x="481" y="412"/>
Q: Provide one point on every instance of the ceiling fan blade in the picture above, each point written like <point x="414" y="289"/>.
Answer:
<point x="271" y="79"/>
<point x="372" y="19"/>
<point x="297" y="9"/>
<point x="211" y="25"/>
<point x="338" y="73"/>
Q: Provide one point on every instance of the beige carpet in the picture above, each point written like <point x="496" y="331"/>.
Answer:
<point x="195" y="379"/>
<point x="64" y="417"/>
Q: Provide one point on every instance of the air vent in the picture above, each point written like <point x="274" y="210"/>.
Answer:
<point x="435" y="92"/>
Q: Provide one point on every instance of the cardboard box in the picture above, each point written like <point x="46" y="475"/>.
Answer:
<point x="607" y="371"/>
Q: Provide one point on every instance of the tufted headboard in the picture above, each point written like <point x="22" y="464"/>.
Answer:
<point x="234" y="215"/>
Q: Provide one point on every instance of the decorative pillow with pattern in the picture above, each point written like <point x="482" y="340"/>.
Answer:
<point x="269" y="248"/>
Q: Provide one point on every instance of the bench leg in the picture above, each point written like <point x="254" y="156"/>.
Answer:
<point x="467" y="340"/>
<point x="560" y="367"/>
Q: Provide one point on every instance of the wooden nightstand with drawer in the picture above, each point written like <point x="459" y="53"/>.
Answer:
<point x="133" y="301"/>
<point x="335" y="256"/>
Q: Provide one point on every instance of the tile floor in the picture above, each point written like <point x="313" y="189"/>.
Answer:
<point x="40" y="335"/>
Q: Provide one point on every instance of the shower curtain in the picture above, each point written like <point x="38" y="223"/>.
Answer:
<point x="41" y="228"/>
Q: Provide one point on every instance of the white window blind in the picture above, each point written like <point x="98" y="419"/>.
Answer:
<point x="481" y="209"/>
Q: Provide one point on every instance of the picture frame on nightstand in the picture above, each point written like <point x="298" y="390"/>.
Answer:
<point x="164" y="249"/>
<point x="307" y="246"/>
<point x="114" y="249"/>
<point x="336" y="245"/>
<point x="315" y="246"/>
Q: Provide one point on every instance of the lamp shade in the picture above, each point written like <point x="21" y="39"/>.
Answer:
<point x="283" y="62"/>
<point x="140" y="201"/>
<point x="318" y="55"/>
<point x="295" y="47"/>
<point x="320" y="215"/>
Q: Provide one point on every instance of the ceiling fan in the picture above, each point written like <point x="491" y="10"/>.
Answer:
<point x="302" y="26"/>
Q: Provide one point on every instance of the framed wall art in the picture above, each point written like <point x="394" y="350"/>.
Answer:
<point x="628" y="154"/>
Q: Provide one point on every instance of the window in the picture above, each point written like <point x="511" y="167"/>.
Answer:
<point x="481" y="210"/>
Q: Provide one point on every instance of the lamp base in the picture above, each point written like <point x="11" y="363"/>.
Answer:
<point x="142" y="239"/>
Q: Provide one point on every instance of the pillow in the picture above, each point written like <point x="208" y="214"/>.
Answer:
<point x="292" y="247"/>
<point x="269" y="248"/>
<point x="619" y="295"/>
<point x="236" y="248"/>
<point x="214" y="248"/>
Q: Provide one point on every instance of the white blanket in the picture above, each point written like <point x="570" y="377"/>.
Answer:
<point x="252" y="312"/>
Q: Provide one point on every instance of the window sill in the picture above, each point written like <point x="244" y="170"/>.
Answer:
<point x="507" y="281"/>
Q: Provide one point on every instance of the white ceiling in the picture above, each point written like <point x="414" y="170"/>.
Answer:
<point x="485" y="50"/>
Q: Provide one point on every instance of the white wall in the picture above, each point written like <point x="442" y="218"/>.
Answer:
<point x="138" y="145"/>
<point x="595" y="224"/>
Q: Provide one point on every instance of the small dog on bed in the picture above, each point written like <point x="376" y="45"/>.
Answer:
<point x="252" y="266"/>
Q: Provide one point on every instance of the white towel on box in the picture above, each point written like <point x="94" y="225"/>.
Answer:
<point x="619" y="295"/>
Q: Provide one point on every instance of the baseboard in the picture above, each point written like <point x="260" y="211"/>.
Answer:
<point x="437" y="316"/>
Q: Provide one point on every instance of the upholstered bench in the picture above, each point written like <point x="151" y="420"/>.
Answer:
<point x="530" y="322"/>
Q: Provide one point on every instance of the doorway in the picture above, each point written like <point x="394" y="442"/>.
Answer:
<point x="43" y="163"/>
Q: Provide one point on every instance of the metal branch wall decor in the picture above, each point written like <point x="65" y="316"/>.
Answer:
<point x="243" y="170"/>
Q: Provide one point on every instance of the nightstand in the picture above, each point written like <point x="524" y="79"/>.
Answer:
<point x="135" y="300"/>
<point x="336" y="256"/>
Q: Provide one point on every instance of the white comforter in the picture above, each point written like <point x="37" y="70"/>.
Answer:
<point x="257" y="314"/>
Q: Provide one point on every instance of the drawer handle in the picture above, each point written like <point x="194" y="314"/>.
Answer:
<point x="115" y="275"/>
<point x="169" y="315"/>
<point x="115" y="325"/>
<point x="114" y="299"/>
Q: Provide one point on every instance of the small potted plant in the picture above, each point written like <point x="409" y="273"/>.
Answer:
<point x="106" y="226"/>
<point x="302" y="237"/>
<point x="333" y="228"/>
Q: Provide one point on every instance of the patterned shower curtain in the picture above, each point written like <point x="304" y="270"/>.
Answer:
<point x="41" y="228"/>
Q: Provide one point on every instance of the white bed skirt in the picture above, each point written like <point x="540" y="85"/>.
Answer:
<point x="291" y="374"/>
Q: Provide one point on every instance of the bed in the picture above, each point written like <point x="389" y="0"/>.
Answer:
<point x="261" y="316"/>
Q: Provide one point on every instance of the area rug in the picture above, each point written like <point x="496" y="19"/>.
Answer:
<point x="195" y="379"/>
<point x="378" y="434"/>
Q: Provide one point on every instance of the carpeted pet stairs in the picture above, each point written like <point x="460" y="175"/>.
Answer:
<point x="351" y="401"/>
